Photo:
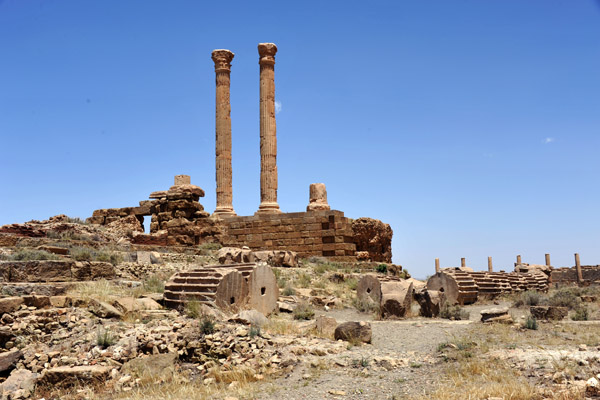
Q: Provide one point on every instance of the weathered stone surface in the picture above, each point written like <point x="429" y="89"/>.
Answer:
<point x="19" y="385"/>
<point x="232" y="292"/>
<point x="37" y="301"/>
<point x="129" y="304"/>
<point x="40" y="271"/>
<point x="263" y="291"/>
<point x="67" y="376"/>
<point x="126" y="225"/>
<point x="9" y="359"/>
<point x="549" y="312"/>
<point x="317" y="197"/>
<point x="431" y="301"/>
<point x="54" y="249"/>
<point x="60" y="301"/>
<point x="92" y="270"/>
<point x="10" y="304"/>
<point x="234" y="255"/>
<point x="250" y="317"/>
<point x="396" y="298"/>
<point x="277" y="258"/>
<point x="354" y="331"/>
<point x="103" y="309"/>
<point x="369" y="286"/>
<point x="152" y="365"/>
<point x="373" y="236"/>
<point x="143" y="257"/>
<point x="325" y="326"/>
<point x="497" y="314"/>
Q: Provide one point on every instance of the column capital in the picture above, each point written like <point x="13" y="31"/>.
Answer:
<point x="222" y="59"/>
<point x="267" y="51"/>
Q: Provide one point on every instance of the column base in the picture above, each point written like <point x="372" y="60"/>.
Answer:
<point x="268" y="208"/>
<point x="224" y="212"/>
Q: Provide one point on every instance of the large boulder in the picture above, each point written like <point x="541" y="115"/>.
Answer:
<point x="250" y="317"/>
<point x="396" y="298"/>
<point x="277" y="258"/>
<point x="496" y="314"/>
<point x="431" y="302"/>
<point x="353" y="331"/>
<point x="103" y="309"/>
<point x="19" y="385"/>
<point x="374" y="237"/>
<point x="9" y="359"/>
<point x="325" y="326"/>
<point x="10" y="304"/>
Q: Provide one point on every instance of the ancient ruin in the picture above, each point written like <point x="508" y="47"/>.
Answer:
<point x="222" y="59"/>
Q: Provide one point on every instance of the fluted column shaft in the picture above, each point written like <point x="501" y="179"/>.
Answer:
<point x="222" y="59"/>
<point x="268" y="130"/>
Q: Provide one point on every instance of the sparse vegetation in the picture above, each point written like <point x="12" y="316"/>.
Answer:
<point x="80" y="253"/>
<point x="104" y="338"/>
<point x="154" y="284"/>
<point x="382" y="269"/>
<point x="565" y="297"/>
<point x="530" y="298"/>
<point x="254" y="331"/>
<point x="365" y="304"/>
<point x="303" y="280"/>
<point x="455" y="313"/>
<point x="530" y="323"/>
<point x="582" y="313"/>
<point x="288" y="291"/>
<point x="303" y="311"/>
<point x="29" y="255"/>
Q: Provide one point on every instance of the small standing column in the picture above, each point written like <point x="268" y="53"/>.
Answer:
<point x="222" y="60"/>
<point x="490" y="266"/>
<point x="548" y="260"/>
<point x="317" y="199"/>
<point x="463" y="262"/>
<point x="578" y="268"/>
<point x="519" y="259"/>
<point x="268" y="130"/>
<point x="437" y="265"/>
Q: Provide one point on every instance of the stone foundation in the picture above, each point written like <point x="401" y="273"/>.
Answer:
<point x="590" y="274"/>
<point x="317" y="233"/>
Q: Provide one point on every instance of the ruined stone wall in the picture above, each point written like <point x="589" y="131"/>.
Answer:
<point x="319" y="233"/>
<point x="591" y="273"/>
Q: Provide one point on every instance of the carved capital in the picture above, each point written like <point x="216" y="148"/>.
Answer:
<point x="267" y="51"/>
<point x="222" y="59"/>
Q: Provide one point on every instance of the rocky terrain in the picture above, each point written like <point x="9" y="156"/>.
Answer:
<point x="81" y="317"/>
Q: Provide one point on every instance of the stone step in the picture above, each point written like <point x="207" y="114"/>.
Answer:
<point x="187" y="296"/>
<point x="196" y="281"/>
<point x="183" y="287"/>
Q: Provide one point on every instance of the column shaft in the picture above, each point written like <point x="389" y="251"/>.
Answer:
<point x="268" y="130"/>
<point x="222" y="59"/>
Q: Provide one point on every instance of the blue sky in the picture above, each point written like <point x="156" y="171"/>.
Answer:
<point x="472" y="127"/>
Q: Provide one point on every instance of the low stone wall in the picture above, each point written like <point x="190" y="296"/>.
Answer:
<point x="324" y="233"/>
<point x="55" y="271"/>
<point x="566" y="275"/>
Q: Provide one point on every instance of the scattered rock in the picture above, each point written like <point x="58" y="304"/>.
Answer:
<point x="497" y="314"/>
<point x="19" y="385"/>
<point x="325" y="326"/>
<point x="354" y="331"/>
<point x="250" y="317"/>
<point x="10" y="304"/>
<point x="9" y="359"/>
<point x="549" y="312"/>
<point x="104" y="310"/>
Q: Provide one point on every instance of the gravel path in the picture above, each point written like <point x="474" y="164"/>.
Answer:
<point x="400" y="363"/>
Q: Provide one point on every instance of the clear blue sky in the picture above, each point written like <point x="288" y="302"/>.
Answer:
<point x="472" y="126"/>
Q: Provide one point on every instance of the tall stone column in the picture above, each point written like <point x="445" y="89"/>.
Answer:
<point x="222" y="59"/>
<point x="268" y="130"/>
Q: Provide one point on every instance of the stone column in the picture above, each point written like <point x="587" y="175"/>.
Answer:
<point x="437" y="265"/>
<point x="222" y="59"/>
<point x="519" y="259"/>
<point x="268" y="130"/>
<point x="463" y="262"/>
<point x="578" y="268"/>
<point x="317" y="199"/>
<point x="490" y="265"/>
<point x="548" y="260"/>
